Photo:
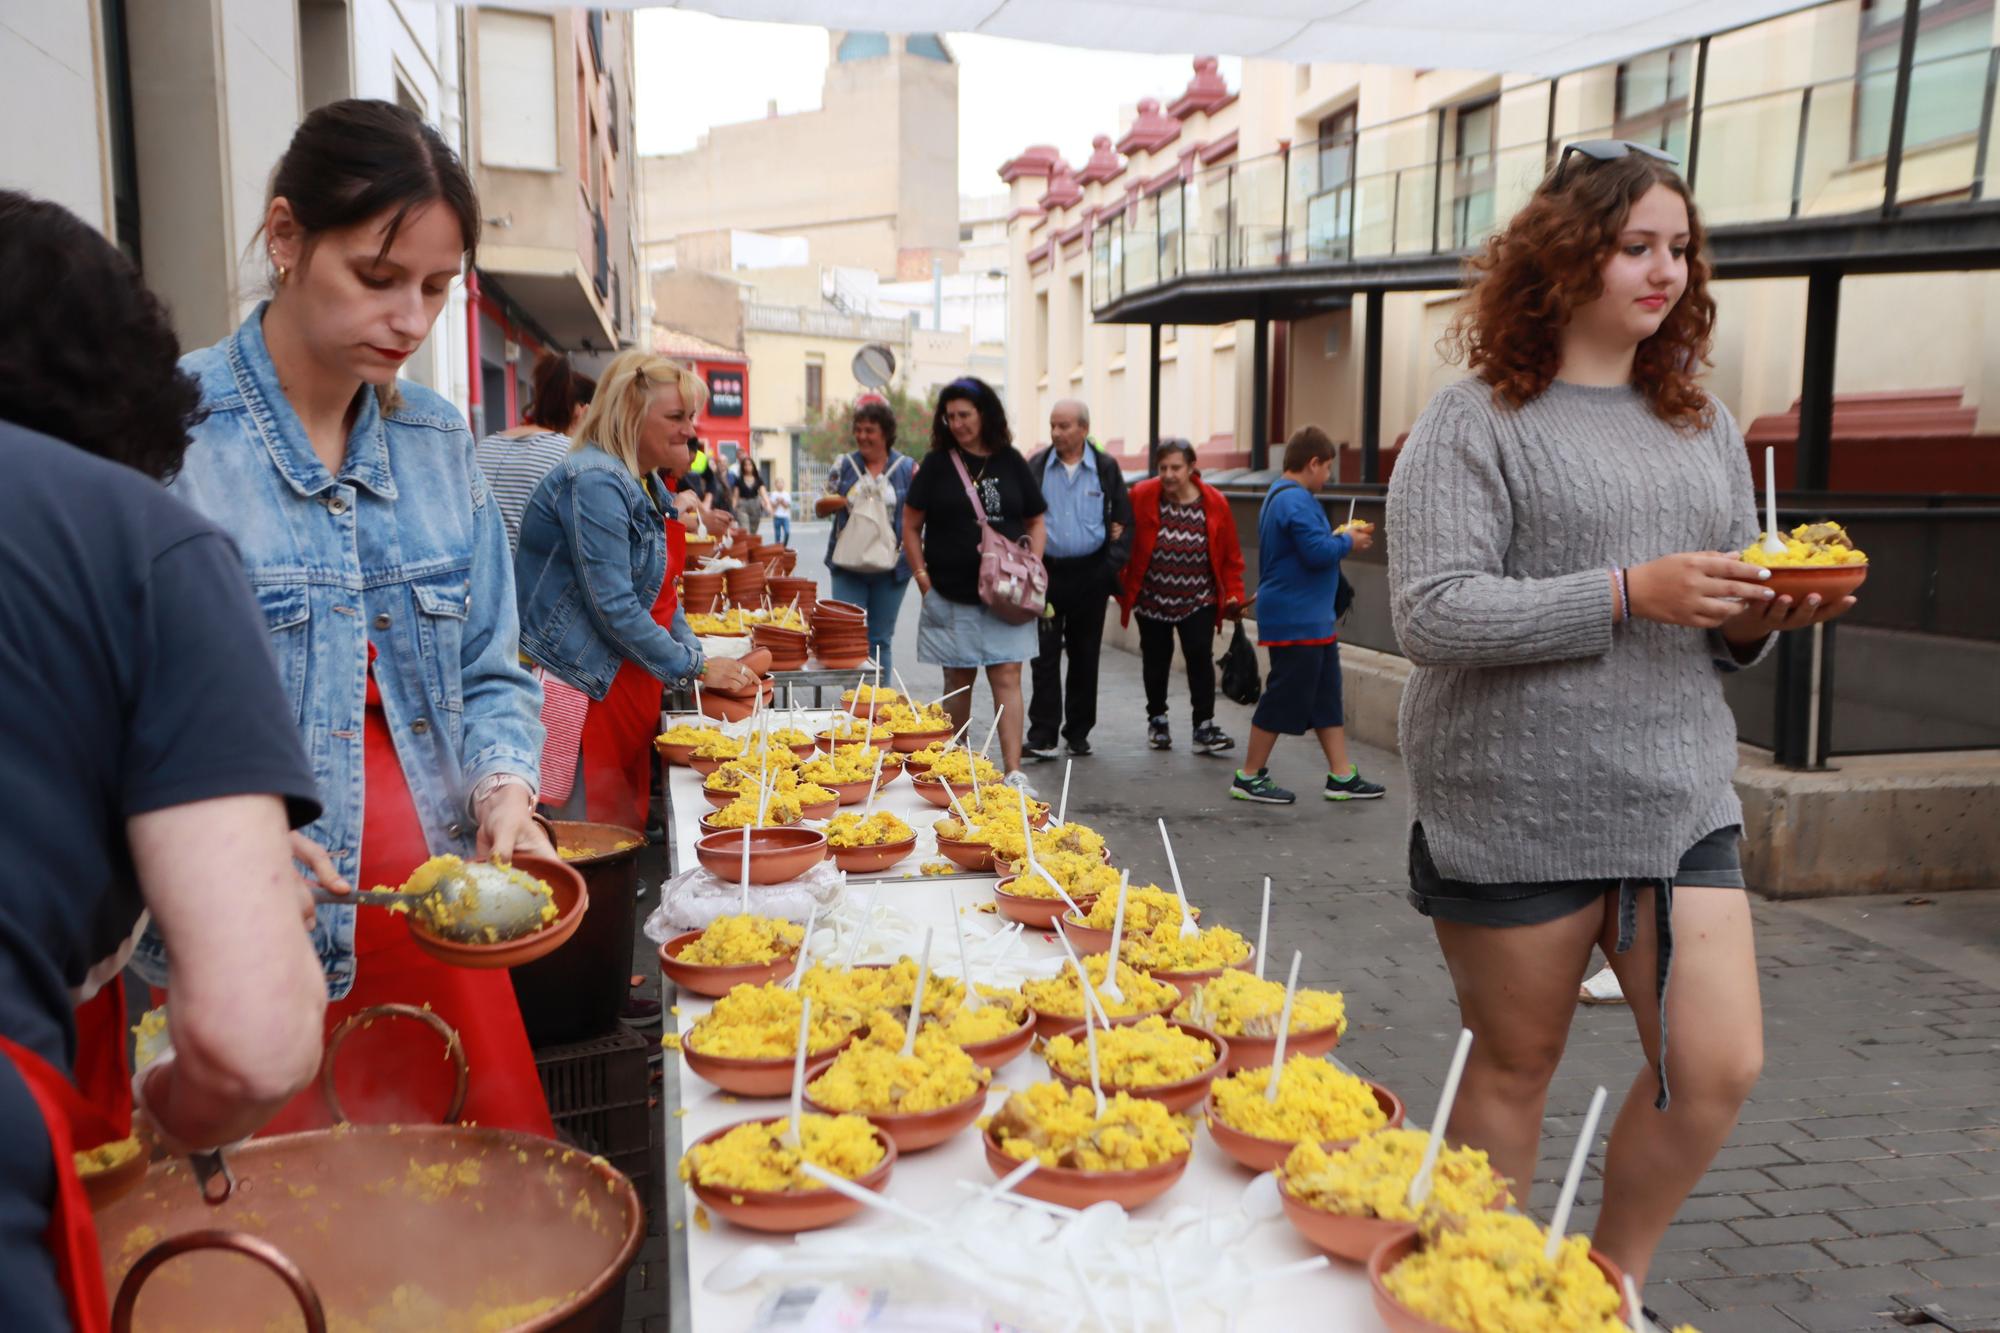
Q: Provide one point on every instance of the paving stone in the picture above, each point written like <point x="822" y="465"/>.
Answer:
<point x="1759" y="1260"/>
<point x="1886" y="1249"/>
<point x="1789" y="1229"/>
<point x="1791" y="1203"/>
<point x="1980" y="1271"/>
<point x="1906" y="1217"/>
<point x="1921" y="1189"/>
<point x="1723" y="1293"/>
<point x="1699" y="1236"/>
<point x="1844" y="1315"/>
<point x="1881" y="1283"/>
<point x="1966" y="1240"/>
<point x="1805" y="1175"/>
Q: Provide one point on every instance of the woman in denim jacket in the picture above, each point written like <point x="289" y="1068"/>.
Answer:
<point x="601" y="550"/>
<point x="381" y="565"/>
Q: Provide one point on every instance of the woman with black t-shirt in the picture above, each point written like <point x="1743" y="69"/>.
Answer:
<point x="941" y="537"/>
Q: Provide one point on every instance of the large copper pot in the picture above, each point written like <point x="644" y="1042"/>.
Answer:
<point x="392" y="1228"/>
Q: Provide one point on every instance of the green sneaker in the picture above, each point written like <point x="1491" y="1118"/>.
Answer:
<point x="1353" y="787"/>
<point x="1259" y="787"/>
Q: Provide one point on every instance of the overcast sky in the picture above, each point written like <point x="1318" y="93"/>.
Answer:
<point x="696" y="71"/>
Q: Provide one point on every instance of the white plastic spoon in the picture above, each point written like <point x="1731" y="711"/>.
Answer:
<point x="863" y="1195"/>
<point x="861" y="931"/>
<point x="1167" y="1288"/>
<point x="1575" y="1176"/>
<point x="1090" y="1043"/>
<point x="1062" y="807"/>
<point x="1188" y="928"/>
<point x="874" y="785"/>
<point x="952" y="694"/>
<point x="917" y="999"/>
<point x="1089" y="1290"/>
<point x="1634" y="1311"/>
<point x="792" y="1132"/>
<point x="805" y="950"/>
<point x="1263" y="926"/>
<point x="1420" y="1183"/>
<point x="990" y="731"/>
<point x="1773" y="544"/>
<point x="1117" y="935"/>
<point x="1089" y="991"/>
<point x="746" y="870"/>
<point x="972" y="1000"/>
<point x="1284" y="1030"/>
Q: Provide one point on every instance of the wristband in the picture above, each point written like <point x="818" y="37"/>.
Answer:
<point x="1624" y="594"/>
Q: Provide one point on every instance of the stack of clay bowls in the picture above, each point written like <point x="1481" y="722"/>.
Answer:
<point x="786" y="646"/>
<point x="745" y="586"/>
<point x="701" y="592"/>
<point x="785" y="590"/>
<point x="839" y="635"/>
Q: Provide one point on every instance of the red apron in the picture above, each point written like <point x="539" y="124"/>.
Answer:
<point x="395" y="1069"/>
<point x="72" y="1123"/>
<point x="617" y="761"/>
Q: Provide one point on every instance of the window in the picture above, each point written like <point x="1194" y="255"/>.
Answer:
<point x="1336" y="148"/>
<point x="517" y="90"/>
<point x="926" y="46"/>
<point x="1042" y="332"/>
<point x="1947" y="80"/>
<point x="964" y="234"/>
<point x="815" y="386"/>
<point x="862" y="46"/>
<point x="1472" y="173"/>
<point x="1652" y="99"/>
<point x="1328" y="207"/>
<point x="1079" y="321"/>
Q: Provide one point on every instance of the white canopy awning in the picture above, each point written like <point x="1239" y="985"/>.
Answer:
<point x="1514" y="36"/>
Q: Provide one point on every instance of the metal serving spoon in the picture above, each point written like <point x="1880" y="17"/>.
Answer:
<point x="465" y="903"/>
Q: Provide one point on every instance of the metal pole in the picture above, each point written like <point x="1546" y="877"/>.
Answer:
<point x="1815" y="443"/>
<point x="1260" y="394"/>
<point x="1799" y="149"/>
<point x="1899" y="111"/>
<point x="1694" y="111"/>
<point x="1549" y="139"/>
<point x="1371" y="391"/>
<point x="1437" y="183"/>
<point x="1985" y="127"/>
<point x="1152" y="399"/>
<point x="1285" y="206"/>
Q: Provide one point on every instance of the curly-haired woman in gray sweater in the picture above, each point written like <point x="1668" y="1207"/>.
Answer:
<point x="1563" y="528"/>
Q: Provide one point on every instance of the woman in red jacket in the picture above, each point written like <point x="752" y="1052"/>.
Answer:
<point x="1185" y="577"/>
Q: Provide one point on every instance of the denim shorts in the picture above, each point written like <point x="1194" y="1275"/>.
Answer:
<point x="1713" y="862"/>
<point x="953" y="634"/>
<point x="1302" y="692"/>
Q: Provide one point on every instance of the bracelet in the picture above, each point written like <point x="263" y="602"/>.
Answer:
<point x="1624" y="594"/>
<point x="493" y="782"/>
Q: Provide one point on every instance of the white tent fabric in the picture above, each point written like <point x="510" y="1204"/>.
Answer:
<point x="1517" y="36"/>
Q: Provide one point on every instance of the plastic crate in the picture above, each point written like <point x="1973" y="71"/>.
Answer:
<point x="597" y="1092"/>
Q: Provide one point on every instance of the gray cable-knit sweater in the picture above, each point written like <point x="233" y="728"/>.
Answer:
<point x="1543" y="741"/>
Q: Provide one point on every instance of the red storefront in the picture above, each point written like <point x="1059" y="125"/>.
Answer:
<point x="724" y="421"/>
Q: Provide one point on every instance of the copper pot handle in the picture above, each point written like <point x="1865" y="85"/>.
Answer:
<point x="454" y="1048"/>
<point x="262" y="1251"/>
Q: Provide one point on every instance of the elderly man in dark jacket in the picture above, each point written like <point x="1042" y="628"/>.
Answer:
<point x="1090" y="535"/>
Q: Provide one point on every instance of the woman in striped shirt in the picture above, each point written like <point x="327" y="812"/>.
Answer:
<point x="516" y="460"/>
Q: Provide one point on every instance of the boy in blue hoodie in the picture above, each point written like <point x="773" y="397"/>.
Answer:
<point x="1298" y="572"/>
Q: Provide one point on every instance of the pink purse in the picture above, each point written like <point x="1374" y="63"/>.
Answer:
<point x="1012" y="582"/>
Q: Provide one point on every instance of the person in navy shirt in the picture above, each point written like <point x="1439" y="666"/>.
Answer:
<point x="1298" y="577"/>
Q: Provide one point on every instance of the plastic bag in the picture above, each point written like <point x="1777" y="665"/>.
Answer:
<point x="695" y="897"/>
<point x="1241" y="680"/>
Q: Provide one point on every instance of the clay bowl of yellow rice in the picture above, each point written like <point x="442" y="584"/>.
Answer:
<point x="717" y="1164"/>
<point x="1315" y="1101"/>
<point x="1455" y="1276"/>
<point x="775" y="817"/>
<point x="854" y="793"/>
<point x="1058" y="1003"/>
<point x="909" y="742"/>
<point x="996" y="1052"/>
<point x="1352" y="1200"/>
<point x="1244" y="1010"/>
<point x="1028" y="909"/>
<point x="1157" y="955"/>
<point x="966" y="854"/>
<point x="569" y="897"/>
<point x="110" y="1171"/>
<point x="1130" y="1156"/>
<point x="722" y="938"/>
<point x="870" y="857"/>
<point x="1139" y="1058"/>
<point x="832" y="739"/>
<point x="749" y="1076"/>
<point x="872" y="1079"/>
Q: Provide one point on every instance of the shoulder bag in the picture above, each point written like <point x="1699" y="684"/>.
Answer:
<point x="1012" y="582"/>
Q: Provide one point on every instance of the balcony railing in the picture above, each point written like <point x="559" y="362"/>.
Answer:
<point x="600" y="273"/>
<point x="1836" y="146"/>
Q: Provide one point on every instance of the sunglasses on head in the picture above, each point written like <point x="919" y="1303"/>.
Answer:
<point x="1609" y="150"/>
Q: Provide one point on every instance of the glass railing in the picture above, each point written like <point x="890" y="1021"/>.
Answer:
<point x="1811" y="150"/>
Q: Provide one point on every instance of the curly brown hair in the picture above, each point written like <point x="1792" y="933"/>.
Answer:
<point x="1549" y="261"/>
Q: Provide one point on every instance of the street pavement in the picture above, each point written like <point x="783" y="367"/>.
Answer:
<point x="1861" y="1189"/>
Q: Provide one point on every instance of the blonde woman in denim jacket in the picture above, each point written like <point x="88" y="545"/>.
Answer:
<point x="381" y="564"/>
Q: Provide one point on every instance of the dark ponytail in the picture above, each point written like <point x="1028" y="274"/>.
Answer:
<point x="352" y="161"/>
<point x="560" y="390"/>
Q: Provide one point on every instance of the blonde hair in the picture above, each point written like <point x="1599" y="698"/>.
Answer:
<point x="624" y="392"/>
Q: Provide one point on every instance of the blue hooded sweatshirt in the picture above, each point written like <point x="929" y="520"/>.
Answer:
<point x="1298" y="566"/>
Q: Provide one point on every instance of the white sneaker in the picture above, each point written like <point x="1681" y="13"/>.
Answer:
<point x="1601" y="989"/>
<point x="1019" y="782"/>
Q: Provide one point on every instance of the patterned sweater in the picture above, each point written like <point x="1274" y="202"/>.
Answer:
<point x="1544" y="742"/>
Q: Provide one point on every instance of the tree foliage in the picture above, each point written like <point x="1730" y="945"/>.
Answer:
<point x="829" y="430"/>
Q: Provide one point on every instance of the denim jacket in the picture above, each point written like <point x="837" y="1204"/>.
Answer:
<point x="405" y="547"/>
<point x="592" y="559"/>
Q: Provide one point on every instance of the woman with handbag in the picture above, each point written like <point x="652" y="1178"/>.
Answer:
<point x="865" y="491"/>
<point x="974" y="518"/>
<point x="1185" y="579"/>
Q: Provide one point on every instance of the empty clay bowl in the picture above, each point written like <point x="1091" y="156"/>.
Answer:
<point x="1002" y="1050"/>
<point x="1080" y="1189"/>
<point x="716" y="979"/>
<point x="827" y="608"/>
<point x="1256" y="1052"/>
<point x="867" y="860"/>
<point x="917" y="1130"/>
<point x="1342" y="1236"/>
<point x="1261" y="1154"/>
<point x="776" y="854"/>
<point x="751" y="1078"/>
<point x="1176" y="1096"/>
<point x="791" y="1210"/>
<point x="842" y="661"/>
<point x="1398" y="1318"/>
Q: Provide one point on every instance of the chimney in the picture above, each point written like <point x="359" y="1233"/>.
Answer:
<point x="771" y="109"/>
